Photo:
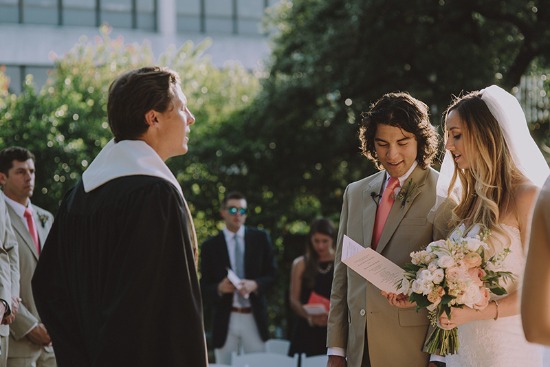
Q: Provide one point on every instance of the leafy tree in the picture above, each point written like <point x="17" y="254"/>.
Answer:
<point x="296" y="147"/>
<point x="294" y="150"/>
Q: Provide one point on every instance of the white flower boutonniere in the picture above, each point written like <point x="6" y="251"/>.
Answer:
<point x="406" y="193"/>
<point x="43" y="218"/>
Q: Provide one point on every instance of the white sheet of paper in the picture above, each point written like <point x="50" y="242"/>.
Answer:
<point x="235" y="280"/>
<point x="350" y="248"/>
<point x="372" y="266"/>
<point x="314" y="309"/>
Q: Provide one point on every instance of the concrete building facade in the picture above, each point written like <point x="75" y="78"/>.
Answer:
<point x="30" y="30"/>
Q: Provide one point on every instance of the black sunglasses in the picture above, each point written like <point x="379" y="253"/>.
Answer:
<point x="233" y="210"/>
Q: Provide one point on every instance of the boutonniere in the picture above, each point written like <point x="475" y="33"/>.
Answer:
<point x="406" y="193"/>
<point x="43" y="218"/>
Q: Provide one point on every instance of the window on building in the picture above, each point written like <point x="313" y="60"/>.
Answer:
<point x="131" y="14"/>
<point x="249" y="16"/>
<point x="18" y="74"/>
<point x="117" y="13"/>
<point x="190" y="16"/>
<point x="9" y="11"/>
<point x="221" y="16"/>
<point x="218" y="16"/>
<point x="39" y="12"/>
<point x="79" y="13"/>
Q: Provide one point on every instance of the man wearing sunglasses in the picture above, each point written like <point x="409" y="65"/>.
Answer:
<point x="237" y="269"/>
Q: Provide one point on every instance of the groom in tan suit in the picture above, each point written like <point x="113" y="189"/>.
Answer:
<point x="30" y="344"/>
<point x="363" y="328"/>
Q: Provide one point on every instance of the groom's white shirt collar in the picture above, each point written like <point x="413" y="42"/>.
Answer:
<point x="126" y="158"/>
<point x="19" y="208"/>
<point x="403" y="178"/>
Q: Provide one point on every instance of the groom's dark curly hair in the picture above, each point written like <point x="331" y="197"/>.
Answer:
<point x="401" y="110"/>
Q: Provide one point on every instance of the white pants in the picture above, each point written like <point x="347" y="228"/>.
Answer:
<point x="241" y="334"/>
<point x="41" y="360"/>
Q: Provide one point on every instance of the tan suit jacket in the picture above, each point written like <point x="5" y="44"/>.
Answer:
<point x="27" y="317"/>
<point x="9" y="261"/>
<point x="9" y="272"/>
<point x="395" y="336"/>
<point x="7" y="241"/>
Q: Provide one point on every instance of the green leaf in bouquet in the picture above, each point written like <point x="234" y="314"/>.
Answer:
<point x="446" y="299"/>
<point x="420" y="300"/>
<point x="506" y="276"/>
<point x="447" y="310"/>
<point x="499" y="291"/>
<point x="491" y="276"/>
<point x="410" y="267"/>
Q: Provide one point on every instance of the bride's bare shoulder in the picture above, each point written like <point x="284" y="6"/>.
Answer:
<point x="523" y="197"/>
<point x="525" y="194"/>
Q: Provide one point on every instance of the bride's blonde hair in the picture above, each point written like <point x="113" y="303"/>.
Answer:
<point x="492" y="176"/>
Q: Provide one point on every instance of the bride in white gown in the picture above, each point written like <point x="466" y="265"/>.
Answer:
<point x="500" y="342"/>
<point x="497" y="170"/>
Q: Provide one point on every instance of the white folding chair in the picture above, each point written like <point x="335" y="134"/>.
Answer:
<point x="314" y="361"/>
<point x="278" y="346"/>
<point x="263" y="360"/>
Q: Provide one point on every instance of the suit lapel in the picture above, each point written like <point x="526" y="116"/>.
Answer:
<point x="21" y="229"/>
<point x="40" y="228"/>
<point x="399" y="209"/>
<point x="369" y="210"/>
<point x="224" y="252"/>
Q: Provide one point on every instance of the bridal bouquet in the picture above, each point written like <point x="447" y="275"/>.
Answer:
<point x="456" y="272"/>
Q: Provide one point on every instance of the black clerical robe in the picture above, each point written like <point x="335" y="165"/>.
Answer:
<point x="116" y="284"/>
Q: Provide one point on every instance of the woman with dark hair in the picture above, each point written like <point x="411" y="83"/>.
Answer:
<point x="311" y="278"/>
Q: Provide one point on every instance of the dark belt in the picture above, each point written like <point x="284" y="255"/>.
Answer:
<point x="241" y="309"/>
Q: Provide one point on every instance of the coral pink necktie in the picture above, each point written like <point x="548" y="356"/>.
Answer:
<point x="383" y="210"/>
<point x="32" y="229"/>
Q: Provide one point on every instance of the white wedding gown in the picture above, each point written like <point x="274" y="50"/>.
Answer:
<point x="500" y="343"/>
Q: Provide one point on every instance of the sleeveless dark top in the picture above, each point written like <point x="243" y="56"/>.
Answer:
<point x="307" y="339"/>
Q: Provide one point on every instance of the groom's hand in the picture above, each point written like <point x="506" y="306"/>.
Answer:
<point x="398" y="300"/>
<point x="336" y="361"/>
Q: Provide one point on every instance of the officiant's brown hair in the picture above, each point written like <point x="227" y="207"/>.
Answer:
<point x="136" y="92"/>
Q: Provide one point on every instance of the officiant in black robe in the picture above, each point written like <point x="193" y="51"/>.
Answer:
<point x="116" y="284"/>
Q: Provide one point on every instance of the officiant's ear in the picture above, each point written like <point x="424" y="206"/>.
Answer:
<point x="151" y="118"/>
